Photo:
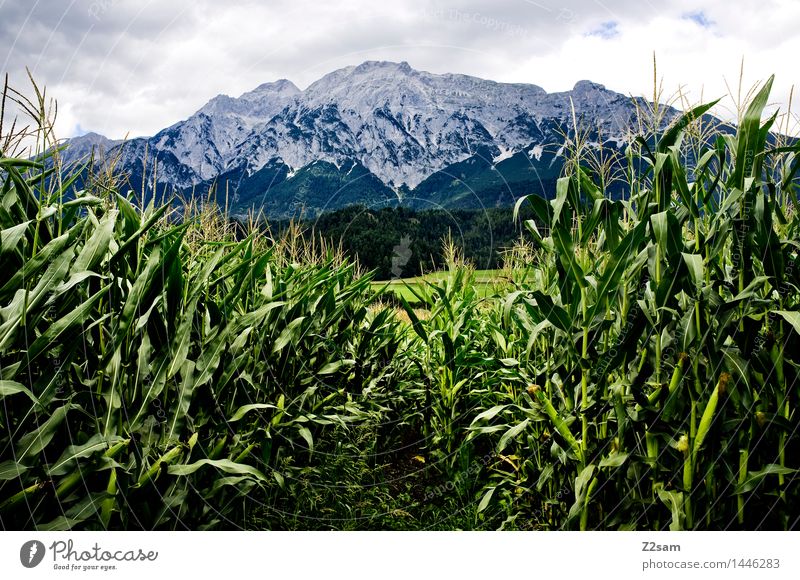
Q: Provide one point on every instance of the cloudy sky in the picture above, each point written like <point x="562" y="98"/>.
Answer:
<point x="122" y="67"/>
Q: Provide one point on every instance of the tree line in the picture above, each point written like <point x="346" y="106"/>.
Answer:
<point x="399" y="242"/>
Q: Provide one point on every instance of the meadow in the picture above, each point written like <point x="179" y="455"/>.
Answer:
<point x="633" y="366"/>
<point x="485" y="281"/>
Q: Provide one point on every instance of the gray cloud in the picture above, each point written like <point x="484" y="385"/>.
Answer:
<point x="124" y="66"/>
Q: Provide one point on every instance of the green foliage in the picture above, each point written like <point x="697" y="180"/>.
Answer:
<point x="398" y="242"/>
<point x="156" y="379"/>
<point x="662" y="366"/>
<point x="636" y="370"/>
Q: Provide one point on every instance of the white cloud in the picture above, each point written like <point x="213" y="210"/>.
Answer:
<point x="132" y="67"/>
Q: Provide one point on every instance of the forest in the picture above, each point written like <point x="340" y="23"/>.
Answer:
<point x="414" y="239"/>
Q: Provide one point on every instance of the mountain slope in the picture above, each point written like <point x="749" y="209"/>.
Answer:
<point x="375" y="133"/>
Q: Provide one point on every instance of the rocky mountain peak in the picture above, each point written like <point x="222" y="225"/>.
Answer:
<point x="584" y="86"/>
<point x="399" y="125"/>
<point x="281" y="87"/>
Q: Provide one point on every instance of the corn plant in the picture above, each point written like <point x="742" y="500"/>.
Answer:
<point x="153" y="378"/>
<point x="662" y="328"/>
<point x="168" y="371"/>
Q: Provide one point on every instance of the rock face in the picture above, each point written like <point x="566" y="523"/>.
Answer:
<point x="383" y="131"/>
<point x="82" y="147"/>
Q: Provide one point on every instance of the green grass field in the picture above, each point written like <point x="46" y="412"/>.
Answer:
<point x="486" y="282"/>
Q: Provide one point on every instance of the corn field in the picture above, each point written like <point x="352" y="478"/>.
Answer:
<point x="637" y="371"/>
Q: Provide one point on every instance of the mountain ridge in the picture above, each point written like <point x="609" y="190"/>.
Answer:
<point x="402" y="125"/>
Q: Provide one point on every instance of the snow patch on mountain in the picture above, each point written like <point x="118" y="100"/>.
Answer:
<point x="504" y="154"/>
<point x="536" y="152"/>
<point x="402" y="124"/>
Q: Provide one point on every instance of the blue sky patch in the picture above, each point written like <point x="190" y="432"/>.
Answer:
<point x="698" y="17"/>
<point x="606" y="29"/>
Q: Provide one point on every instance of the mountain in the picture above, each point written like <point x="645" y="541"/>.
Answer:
<point x="379" y="133"/>
<point x="82" y="147"/>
